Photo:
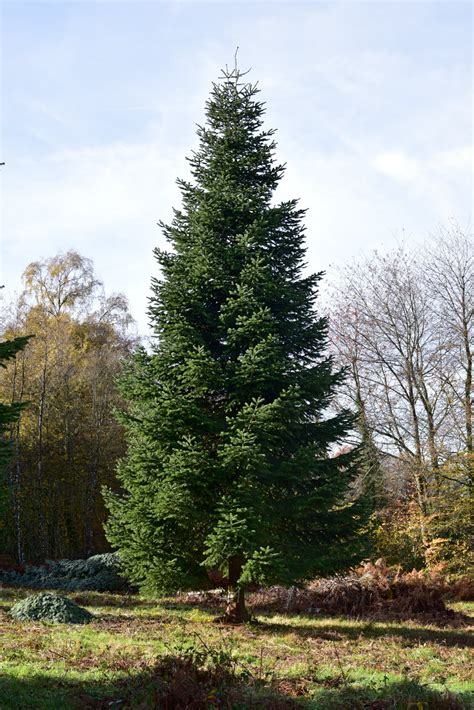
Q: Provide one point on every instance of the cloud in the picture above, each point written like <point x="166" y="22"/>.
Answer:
<point x="397" y="165"/>
<point x="85" y="191"/>
<point x="458" y="158"/>
<point x="372" y="114"/>
<point x="103" y="201"/>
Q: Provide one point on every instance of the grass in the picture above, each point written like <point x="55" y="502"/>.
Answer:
<point x="324" y="663"/>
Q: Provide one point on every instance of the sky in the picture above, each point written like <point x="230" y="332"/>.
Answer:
<point x="99" y="101"/>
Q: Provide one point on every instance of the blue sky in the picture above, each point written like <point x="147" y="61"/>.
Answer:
<point x="99" y="101"/>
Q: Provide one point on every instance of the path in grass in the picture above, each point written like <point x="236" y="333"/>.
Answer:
<point x="327" y="663"/>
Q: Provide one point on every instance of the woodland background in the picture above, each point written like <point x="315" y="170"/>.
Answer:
<point x="401" y="323"/>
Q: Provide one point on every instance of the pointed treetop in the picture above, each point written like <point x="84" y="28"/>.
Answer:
<point x="234" y="74"/>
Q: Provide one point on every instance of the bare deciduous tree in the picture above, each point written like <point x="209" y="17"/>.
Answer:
<point x="402" y="323"/>
<point x="449" y="271"/>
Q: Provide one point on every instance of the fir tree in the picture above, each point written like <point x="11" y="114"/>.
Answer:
<point x="228" y="464"/>
<point x="9" y="413"/>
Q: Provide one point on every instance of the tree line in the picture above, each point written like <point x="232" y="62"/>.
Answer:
<point x="67" y="440"/>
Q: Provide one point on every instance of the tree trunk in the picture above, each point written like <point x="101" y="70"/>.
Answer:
<point x="43" y="546"/>
<point x="16" y="482"/>
<point x="92" y="483"/>
<point x="236" y="611"/>
<point x="468" y="391"/>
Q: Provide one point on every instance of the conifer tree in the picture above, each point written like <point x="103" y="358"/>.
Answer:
<point x="229" y="460"/>
<point x="9" y="412"/>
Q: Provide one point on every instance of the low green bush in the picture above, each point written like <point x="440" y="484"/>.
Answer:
<point x="99" y="573"/>
<point x="50" y="607"/>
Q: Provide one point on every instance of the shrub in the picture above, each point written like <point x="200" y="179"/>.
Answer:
<point x="199" y="676"/>
<point x="396" y="531"/>
<point x="396" y="535"/>
<point x="99" y="573"/>
<point x="462" y="589"/>
<point x="372" y="590"/>
<point x="50" y="607"/>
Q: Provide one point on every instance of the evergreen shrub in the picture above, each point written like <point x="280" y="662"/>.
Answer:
<point x="50" y="607"/>
<point x="99" y="573"/>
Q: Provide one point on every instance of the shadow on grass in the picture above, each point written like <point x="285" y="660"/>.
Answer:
<point x="171" y="688"/>
<point x="174" y="684"/>
<point x="398" y="695"/>
<point x="449" y="620"/>
<point x="412" y="631"/>
<point x="101" y="599"/>
<point x="332" y="631"/>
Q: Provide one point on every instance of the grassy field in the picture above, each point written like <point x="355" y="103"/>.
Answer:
<point x="307" y="662"/>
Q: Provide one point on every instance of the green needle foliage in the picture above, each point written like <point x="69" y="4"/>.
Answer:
<point x="54" y="608"/>
<point x="228" y="464"/>
<point x="9" y="413"/>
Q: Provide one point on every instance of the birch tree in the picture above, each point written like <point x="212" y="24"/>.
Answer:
<point x="67" y="440"/>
